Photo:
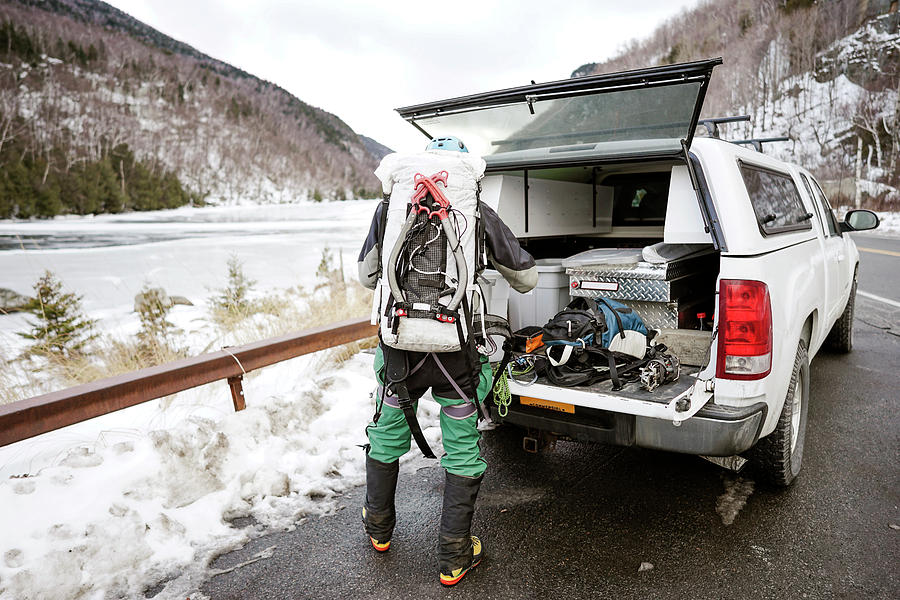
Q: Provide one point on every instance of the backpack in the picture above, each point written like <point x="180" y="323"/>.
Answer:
<point x="577" y="326"/>
<point x="622" y="328"/>
<point x="592" y="339"/>
<point x="431" y="249"/>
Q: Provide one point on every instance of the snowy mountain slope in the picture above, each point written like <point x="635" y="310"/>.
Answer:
<point x="79" y="77"/>
<point x="824" y="73"/>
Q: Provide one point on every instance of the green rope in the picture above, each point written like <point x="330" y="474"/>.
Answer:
<point x="502" y="396"/>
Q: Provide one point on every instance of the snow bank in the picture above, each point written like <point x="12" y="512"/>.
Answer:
<point x="890" y="223"/>
<point x="111" y="506"/>
<point x="111" y="518"/>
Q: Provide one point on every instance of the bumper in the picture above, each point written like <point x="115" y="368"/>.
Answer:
<point x="714" y="431"/>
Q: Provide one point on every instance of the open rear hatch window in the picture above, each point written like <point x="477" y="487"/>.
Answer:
<point x="647" y="110"/>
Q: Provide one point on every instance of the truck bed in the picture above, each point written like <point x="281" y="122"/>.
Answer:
<point x="676" y="401"/>
<point x="633" y="391"/>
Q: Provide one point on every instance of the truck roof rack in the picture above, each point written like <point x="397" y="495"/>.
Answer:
<point x="758" y="142"/>
<point x="712" y="124"/>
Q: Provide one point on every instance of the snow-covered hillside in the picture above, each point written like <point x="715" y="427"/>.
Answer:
<point x="78" y="79"/>
<point x="823" y="73"/>
<point x="823" y="112"/>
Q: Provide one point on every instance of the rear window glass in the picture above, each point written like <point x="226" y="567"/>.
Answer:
<point x="640" y="113"/>
<point x="775" y="200"/>
<point x="639" y="199"/>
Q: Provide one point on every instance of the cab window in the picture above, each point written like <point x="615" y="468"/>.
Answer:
<point x="639" y="198"/>
<point x="831" y="222"/>
<point x="824" y="219"/>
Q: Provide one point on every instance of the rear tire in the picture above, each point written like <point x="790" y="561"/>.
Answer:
<point x="779" y="456"/>
<point x="840" y="338"/>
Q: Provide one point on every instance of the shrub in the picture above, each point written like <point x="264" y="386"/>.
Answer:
<point x="232" y="303"/>
<point x="61" y="329"/>
<point x="328" y="274"/>
<point x="155" y="335"/>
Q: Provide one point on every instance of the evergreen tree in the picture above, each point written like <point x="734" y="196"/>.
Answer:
<point x="142" y="192"/>
<point x="111" y="197"/>
<point x="61" y="329"/>
<point x="48" y="202"/>
<point x="7" y="206"/>
<point x="20" y="191"/>
<point x="234" y="298"/>
<point x="43" y="190"/>
<point x="91" y="188"/>
<point x="69" y="192"/>
<point x="172" y="195"/>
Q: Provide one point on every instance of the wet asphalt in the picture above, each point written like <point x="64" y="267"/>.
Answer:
<point x="579" y="521"/>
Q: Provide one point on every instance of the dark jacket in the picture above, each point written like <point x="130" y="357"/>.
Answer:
<point x="503" y="249"/>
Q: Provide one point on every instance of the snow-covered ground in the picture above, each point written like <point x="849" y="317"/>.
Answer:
<point x="890" y="223"/>
<point x="111" y="506"/>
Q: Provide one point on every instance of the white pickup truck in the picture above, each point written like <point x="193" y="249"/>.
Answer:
<point x="609" y="164"/>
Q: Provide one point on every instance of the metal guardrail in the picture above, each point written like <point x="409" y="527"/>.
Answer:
<point x="41" y="414"/>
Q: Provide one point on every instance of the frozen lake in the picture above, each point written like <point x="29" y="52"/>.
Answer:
<point x="108" y="259"/>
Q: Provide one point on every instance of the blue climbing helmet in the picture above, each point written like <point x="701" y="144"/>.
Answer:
<point x="447" y="143"/>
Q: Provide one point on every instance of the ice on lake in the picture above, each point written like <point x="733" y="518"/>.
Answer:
<point x="108" y="259"/>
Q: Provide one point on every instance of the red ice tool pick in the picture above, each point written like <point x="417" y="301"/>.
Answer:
<point x="426" y="185"/>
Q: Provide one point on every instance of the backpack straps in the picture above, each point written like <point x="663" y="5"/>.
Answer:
<point x="382" y="224"/>
<point x="467" y="347"/>
<point x="396" y="370"/>
<point x="480" y="242"/>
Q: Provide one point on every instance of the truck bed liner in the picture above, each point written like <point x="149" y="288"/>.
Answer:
<point x="675" y="401"/>
<point x="633" y="391"/>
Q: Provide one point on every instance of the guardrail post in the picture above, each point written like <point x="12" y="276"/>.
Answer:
<point x="237" y="392"/>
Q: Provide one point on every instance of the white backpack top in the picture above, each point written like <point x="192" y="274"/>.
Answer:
<point x="397" y="173"/>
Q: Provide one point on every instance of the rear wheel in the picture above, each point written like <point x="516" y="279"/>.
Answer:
<point x="840" y="338"/>
<point x="778" y="456"/>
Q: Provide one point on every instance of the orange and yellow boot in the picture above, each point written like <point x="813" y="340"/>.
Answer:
<point x="454" y="576"/>
<point x="378" y="513"/>
<point x="459" y="551"/>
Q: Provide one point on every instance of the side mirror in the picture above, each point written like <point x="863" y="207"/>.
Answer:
<point x="859" y="220"/>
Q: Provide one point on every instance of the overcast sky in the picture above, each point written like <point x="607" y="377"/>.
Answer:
<point x="360" y="60"/>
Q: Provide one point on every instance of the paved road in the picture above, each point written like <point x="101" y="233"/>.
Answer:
<point x="579" y="521"/>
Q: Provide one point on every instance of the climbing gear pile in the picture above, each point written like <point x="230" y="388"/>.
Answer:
<point x="662" y="368"/>
<point x="595" y="339"/>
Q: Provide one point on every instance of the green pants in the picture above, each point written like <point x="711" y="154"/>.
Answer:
<point x="390" y="438"/>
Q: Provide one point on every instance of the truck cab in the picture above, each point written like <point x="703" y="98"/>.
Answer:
<point x="733" y="257"/>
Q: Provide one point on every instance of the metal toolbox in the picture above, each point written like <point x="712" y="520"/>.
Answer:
<point x="657" y="292"/>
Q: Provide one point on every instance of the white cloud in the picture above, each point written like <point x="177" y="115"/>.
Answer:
<point x="360" y="60"/>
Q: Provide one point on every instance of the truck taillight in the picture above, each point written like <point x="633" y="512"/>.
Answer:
<point x="745" y="330"/>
